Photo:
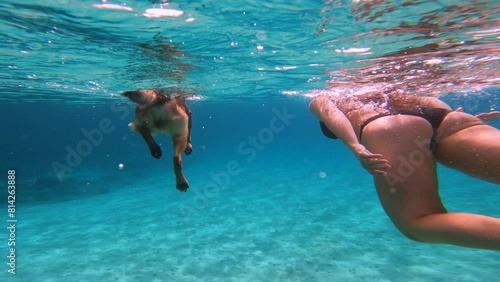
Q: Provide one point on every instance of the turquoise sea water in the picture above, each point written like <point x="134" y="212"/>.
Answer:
<point x="263" y="204"/>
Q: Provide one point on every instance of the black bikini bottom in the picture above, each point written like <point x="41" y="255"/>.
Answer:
<point x="433" y="115"/>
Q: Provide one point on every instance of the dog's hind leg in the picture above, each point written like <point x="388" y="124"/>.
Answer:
<point x="153" y="147"/>
<point x="180" y="143"/>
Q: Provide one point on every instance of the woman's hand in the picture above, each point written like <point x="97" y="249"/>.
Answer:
<point x="373" y="163"/>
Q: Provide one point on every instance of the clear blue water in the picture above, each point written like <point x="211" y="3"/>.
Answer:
<point x="295" y="207"/>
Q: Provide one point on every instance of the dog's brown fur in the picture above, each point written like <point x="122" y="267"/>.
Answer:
<point x="157" y="113"/>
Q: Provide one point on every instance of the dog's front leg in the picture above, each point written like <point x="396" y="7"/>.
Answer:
<point x="180" y="144"/>
<point x="153" y="147"/>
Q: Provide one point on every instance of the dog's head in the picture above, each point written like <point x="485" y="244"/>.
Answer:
<point x="143" y="97"/>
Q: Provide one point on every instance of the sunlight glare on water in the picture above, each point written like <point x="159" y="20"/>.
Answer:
<point x="90" y="51"/>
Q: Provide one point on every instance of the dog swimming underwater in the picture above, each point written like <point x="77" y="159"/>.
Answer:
<point x="155" y="113"/>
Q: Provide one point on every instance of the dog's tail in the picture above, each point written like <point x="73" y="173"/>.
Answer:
<point x="143" y="97"/>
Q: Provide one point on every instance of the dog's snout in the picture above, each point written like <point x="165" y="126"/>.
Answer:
<point x="128" y="93"/>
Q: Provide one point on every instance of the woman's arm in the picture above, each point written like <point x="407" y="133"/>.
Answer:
<point x="326" y="111"/>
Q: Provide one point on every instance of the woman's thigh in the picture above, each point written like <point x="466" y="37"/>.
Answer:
<point x="474" y="151"/>
<point x="410" y="188"/>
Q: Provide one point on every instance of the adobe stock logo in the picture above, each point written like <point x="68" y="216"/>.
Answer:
<point x="220" y="180"/>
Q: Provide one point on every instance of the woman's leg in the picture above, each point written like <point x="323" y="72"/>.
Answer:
<point x="409" y="192"/>
<point x="461" y="229"/>
<point x="474" y="151"/>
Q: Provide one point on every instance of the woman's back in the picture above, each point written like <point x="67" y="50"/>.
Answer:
<point x="359" y="108"/>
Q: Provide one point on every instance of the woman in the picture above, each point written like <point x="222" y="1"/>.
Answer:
<point x="407" y="135"/>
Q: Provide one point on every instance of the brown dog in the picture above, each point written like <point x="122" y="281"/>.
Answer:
<point x="155" y="113"/>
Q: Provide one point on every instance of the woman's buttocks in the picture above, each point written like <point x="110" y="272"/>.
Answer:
<point x="397" y="129"/>
<point x="455" y="122"/>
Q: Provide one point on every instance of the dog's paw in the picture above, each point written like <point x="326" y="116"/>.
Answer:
<point x="182" y="186"/>
<point x="155" y="152"/>
<point x="189" y="149"/>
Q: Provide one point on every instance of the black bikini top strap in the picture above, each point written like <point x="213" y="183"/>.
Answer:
<point x="367" y="121"/>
